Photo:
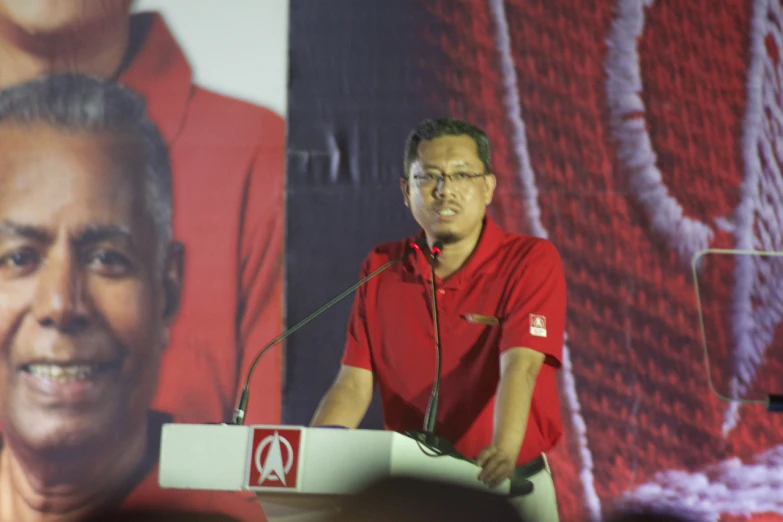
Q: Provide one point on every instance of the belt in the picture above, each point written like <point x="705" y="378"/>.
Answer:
<point x="520" y="485"/>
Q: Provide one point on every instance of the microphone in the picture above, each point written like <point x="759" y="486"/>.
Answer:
<point x="432" y="408"/>
<point x="427" y="436"/>
<point x="239" y="413"/>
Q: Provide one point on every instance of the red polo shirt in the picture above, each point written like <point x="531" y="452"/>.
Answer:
<point x="514" y="278"/>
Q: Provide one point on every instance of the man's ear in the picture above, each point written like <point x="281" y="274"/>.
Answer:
<point x="405" y="187"/>
<point x="172" y="280"/>
<point x="490" y="182"/>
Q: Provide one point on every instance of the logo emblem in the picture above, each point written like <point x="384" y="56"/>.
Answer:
<point x="537" y="325"/>
<point x="274" y="458"/>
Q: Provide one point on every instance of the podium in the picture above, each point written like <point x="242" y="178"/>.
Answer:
<point x="298" y="472"/>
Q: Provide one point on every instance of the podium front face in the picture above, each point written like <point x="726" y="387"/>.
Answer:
<point x="280" y="459"/>
<point x="305" y="468"/>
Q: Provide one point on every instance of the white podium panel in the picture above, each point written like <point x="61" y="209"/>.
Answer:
<point x="296" y="470"/>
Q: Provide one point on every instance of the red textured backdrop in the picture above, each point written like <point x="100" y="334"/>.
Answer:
<point x="633" y="327"/>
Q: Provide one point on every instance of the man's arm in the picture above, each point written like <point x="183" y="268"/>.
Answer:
<point x="538" y="292"/>
<point x="519" y="368"/>
<point x="346" y="402"/>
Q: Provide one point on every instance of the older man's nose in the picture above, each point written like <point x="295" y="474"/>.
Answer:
<point x="60" y="298"/>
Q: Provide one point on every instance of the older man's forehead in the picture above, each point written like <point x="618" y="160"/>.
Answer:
<point x="69" y="179"/>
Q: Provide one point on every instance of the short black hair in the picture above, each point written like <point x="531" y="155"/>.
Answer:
<point x="77" y="102"/>
<point x="435" y="128"/>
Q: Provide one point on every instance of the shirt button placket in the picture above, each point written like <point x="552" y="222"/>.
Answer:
<point x="441" y="296"/>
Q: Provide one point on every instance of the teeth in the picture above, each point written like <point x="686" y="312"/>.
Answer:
<point x="57" y="373"/>
<point x="446" y="212"/>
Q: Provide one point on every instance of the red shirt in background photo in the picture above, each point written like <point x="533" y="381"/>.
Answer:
<point x="228" y="162"/>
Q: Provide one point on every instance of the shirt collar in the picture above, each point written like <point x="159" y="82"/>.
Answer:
<point x="160" y="73"/>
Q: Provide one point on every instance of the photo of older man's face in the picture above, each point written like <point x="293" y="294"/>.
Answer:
<point x="82" y="291"/>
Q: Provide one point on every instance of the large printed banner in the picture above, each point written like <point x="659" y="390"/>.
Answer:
<point x="142" y="149"/>
<point x="633" y="134"/>
<point x="147" y="221"/>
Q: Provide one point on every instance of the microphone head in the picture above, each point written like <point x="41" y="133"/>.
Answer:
<point x="420" y="244"/>
<point x="437" y="249"/>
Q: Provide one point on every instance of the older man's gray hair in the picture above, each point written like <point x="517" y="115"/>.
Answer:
<point x="83" y="103"/>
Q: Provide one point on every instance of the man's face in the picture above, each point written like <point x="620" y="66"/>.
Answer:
<point x="82" y="300"/>
<point x="55" y="16"/>
<point x="452" y="208"/>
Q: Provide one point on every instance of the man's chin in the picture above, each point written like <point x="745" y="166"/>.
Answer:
<point x="59" y="439"/>
<point x="448" y="237"/>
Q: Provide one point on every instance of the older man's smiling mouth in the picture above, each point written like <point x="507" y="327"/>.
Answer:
<point x="65" y="372"/>
<point x="68" y="383"/>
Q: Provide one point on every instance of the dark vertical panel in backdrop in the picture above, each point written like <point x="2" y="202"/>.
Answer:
<point x="357" y="71"/>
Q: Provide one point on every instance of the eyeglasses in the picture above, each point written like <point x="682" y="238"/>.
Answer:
<point x="458" y="178"/>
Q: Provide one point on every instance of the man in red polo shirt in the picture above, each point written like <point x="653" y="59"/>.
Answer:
<point x="501" y="305"/>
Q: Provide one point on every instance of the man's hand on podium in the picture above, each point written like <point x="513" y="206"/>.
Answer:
<point x="497" y="465"/>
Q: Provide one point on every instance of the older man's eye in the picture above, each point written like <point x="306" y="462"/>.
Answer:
<point x="20" y="261"/>
<point x="110" y="263"/>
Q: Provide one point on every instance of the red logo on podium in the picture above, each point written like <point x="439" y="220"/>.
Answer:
<point x="275" y="458"/>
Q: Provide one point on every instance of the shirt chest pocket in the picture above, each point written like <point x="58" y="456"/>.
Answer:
<point x="468" y="336"/>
